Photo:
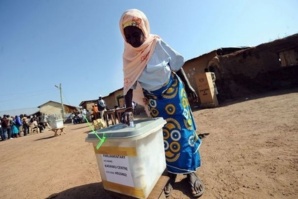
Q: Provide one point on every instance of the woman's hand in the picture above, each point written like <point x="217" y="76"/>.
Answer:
<point x="127" y="116"/>
<point x="191" y="93"/>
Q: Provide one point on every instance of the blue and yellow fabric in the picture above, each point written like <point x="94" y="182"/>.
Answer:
<point x="180" y="139"/>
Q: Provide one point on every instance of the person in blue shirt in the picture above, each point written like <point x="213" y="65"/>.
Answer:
<point x="154" y="78"/>
<point x="19" y="124"/>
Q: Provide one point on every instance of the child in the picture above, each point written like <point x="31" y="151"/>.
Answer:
<point x="153" y="77"/>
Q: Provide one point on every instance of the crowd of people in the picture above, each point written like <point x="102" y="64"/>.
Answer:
<point x="81" y="116"/>
<point x="21" y="125"/>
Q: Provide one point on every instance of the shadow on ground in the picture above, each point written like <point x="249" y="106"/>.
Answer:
<point x="79" y="127"/>
<point x="88" y="191"/>
<point x="45" y="138"/>
<point x="96" y="190"/>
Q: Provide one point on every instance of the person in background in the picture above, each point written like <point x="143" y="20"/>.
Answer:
<point x="76" y="119"/>
<point x="79" y="117"/>
<point x="95" y="112"/>
<point x="101" y="106"/>
<point x="1" y="131"/>
<point x="72" y="117"/>
<point x="84" y="115"/>
<point x="25" y="122"/>
<point x="45" y="121"/>
<point x="35" y="125"/>
<point x="14" y="128"/>
<point x="32" y="118"/>
<point x="41" y="123"/>
<point x="9" y="119"/>
<point x="88" y="116"/>
<point x="154" y="78"/>
<point x="19" y="124"/>
<point x="4" y="124"/>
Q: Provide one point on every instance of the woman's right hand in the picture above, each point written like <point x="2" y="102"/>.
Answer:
<point x="127" y="116"/>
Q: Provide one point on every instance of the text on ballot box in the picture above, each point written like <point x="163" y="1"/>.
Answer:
<point x="117" y="169"/>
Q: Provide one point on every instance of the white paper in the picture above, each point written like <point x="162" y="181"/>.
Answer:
<point x="117" y="169"/>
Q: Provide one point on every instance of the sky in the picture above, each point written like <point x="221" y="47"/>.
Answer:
<point x="78" y="44"/>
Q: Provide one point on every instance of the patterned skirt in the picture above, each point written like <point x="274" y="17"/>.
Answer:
<point x="181" y="142"/>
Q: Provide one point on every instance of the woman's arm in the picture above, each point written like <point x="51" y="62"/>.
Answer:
<point x="128" y="99"/>
<point x="176" y="62"/>
<point x="190" y="91"/>
<point x="125" y="117"/>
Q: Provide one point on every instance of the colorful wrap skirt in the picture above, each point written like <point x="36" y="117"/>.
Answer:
<point x="181" y="142"/>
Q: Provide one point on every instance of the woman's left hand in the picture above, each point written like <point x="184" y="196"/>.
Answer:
<point x="191" y="93"/>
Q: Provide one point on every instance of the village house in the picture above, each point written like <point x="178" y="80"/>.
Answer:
<point x="247" y="71"/>
<point x="54" y="108"/>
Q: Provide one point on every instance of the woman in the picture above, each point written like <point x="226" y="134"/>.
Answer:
<point x="153" y="77"/>
<point x="14" y="128"/>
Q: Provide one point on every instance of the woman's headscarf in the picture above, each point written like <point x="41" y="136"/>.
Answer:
<point x="135" y="59"/>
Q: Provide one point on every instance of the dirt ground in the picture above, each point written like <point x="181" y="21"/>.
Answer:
<point x="251" y="151"/>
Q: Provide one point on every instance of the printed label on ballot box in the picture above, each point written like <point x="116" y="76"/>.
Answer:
<point x="117" y="169"/>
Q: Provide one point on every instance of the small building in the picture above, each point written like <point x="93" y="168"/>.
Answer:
<point x="54" y="108"/>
